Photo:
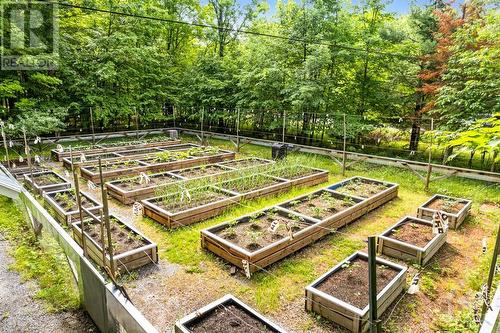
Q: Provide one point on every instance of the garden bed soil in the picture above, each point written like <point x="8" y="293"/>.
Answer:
<point x="201" y="171"/>
<point x="341" y="294"/>
<point x="46" y="181"/>
<point x="172" y="211"/>
<point x="457" y="209"/>
<point x="411" y="239"/>
<point x="321" y="204"/>
<point x="226" y="315"/>
<point x="131" y="249"/>
<point x="360" y="187"/>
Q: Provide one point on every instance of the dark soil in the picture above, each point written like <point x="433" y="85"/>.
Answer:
<point x="249" y="184"/>
<point x="413" y="233"/>
<point x="350" y="283"/>
<point x="67" y="201"/>
<point x="245" y="163"/>
<point x="361" y="188"/>
<point x="321" y="205"/>
<point x="229" y="319"/>
<point x="201" y="171"/>
<point x="46" y="179"/>
<point x="447" y="205"/>
<point x="253" y="234"/>
<point x="174" y="204"/>
<point x="134" y="184"/>
<point x="122" y="238"/>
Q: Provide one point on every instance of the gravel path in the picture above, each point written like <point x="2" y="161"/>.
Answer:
<point x="20" y="312"/>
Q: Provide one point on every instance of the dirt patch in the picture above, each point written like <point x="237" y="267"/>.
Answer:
<point x="321" y="205"/>
<point x="350" y="283"/>
<point x="46" y="179"/>
<point x="229" y="319"/>
<point x="413" y="233"/>
<point x="448" y="205"/>
<point x="67" y="201"/>
<point x="122" y="239"/>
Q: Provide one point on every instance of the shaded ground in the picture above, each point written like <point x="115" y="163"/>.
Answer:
<point x="20" y="312"/>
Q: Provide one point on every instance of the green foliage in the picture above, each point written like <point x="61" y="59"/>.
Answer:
<point x="41" y="260"/>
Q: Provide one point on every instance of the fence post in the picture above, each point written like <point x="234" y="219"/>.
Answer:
<point x="173" y="114"/>
<point x="79" y="203"/>
<point x="429" y="164"/>
<point x="92" y="126"/>
<point x="105" y="211"/>
<point x="201" y="125"/>
<point x="344" y="155"/>
<point x="238" y="130"/>
<point x="4" y="138"/>
<point x="372" y="285"/>
<point x="284" y="126"/>
<point x="136" y="124"/>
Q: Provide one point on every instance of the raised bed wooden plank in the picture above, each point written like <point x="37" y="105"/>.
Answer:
<point x="343" y="313"/>
<point x="58" y="155"/>
<point x="389" y="245"/>
<point x="46" y="181"/>
<point x="229" y="308"/>
<point x="446" y="205"/>
<point x="142" y="255"/>
<point x="55" y="200"/>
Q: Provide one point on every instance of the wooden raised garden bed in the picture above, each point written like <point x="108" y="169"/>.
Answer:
<point x="46" y="181"/>
<point x="300" y="175"/>
<point x="64" y="205"/>
<point x="58" y="155"/>
<point x="164" y="161"/>
<point x="131" y="249"/>
<point x="341" y="294"/>
<point x="456" y="209"/>
<point x="249" y="238"/>
<point x="178" y="209"/>
<point x="130" y="190"/>
<point x="256" y="185"/>
<point x="226" y="315"/>
<point x="246" y="163"/>
<point x="411" y="239"/>
<point x="201" y="171"/>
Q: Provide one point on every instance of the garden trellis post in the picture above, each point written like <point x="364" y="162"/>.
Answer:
<point x="79" y="203"/>
<point x="201" y="125"/>
<point x="344" y="157"/>
<point x="136" y="123"/>
<point x="238" y="130"/>
<point x="27" y="152"/>
<point x="491" y="274"/>
<point x="284" y="126"/>
<point x="429" y="163"/>
<point x="173" y="114"/>
<point x="105" y="211"/>
<point x="372" y="285"/>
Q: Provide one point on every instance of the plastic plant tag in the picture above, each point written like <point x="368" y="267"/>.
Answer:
<point x="38" y="140"/>
<point x="37" y="159"/>
<point x="414" y="288"/>
<point x="137" y="208"/>
<point x="60" y="148"/>
<point x="83" y="159"/>
<point x="11" y="144"/>
<point x="144" y="178"/>
<point x="274" y="226"/>
<point x="91" y="186"/>
<point x="246" y="268"/>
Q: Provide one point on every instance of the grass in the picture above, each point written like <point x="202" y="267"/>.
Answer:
<point x="40" y="259"/>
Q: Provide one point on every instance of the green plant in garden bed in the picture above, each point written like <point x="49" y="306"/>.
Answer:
<point x="290" y="171"/>
<point x="249" y="183"/>
<point x="41" y="260"/>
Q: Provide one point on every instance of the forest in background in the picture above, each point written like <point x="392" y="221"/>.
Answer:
<point x="130" y="59"/>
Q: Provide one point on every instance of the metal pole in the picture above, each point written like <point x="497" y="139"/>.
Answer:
<point x="429" y="164"/>
<point x="491" y="274"/>
<point x="201" y="125"/>
<point x="136" y="124"/>
<point x="5" y="146"/>
<point x="92" y="126"/>
<point x="27" y="152"/>
<point x="173" y="114"/>
<point x="372" y="284"/>
<point x="238" y="131"/>
<point x="284" y="126"/>
<point x="344" y="155"/>
<point x="105" y="211"/>
<point x="80" y="213"/>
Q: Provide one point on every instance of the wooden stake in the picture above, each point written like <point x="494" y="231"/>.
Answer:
<point x="105" y="211"/>
<point x="80" y="210"/>
<point x="344" y="155"/>
<point x="491" y="273"/>
<point x="372" y="284"/>
<point x="92" y="126"/>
